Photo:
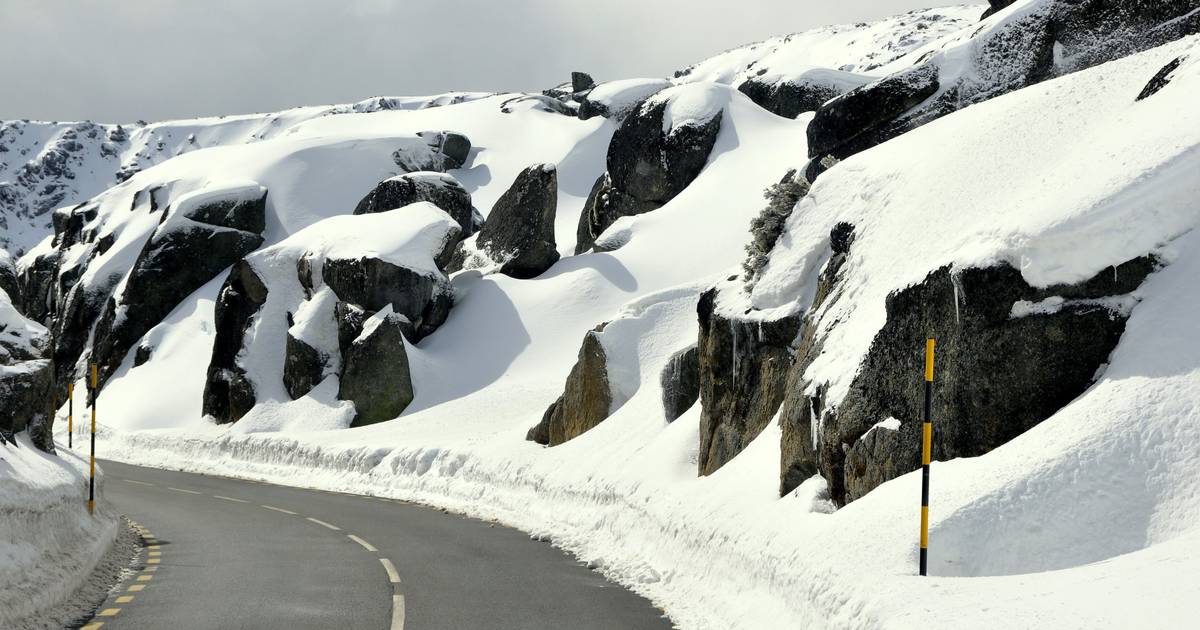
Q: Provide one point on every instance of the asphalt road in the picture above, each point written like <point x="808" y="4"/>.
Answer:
<point x="230" y="554"/>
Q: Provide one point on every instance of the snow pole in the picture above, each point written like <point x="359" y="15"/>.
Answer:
<point x="926" y="448"/>
<point x="70" y="415"/>
<point x="92" y="473"/>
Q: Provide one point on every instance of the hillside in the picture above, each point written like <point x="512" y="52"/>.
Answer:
<point x="578" y="313"/>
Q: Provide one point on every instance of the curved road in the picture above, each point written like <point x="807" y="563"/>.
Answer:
<point x="233" y="554"/>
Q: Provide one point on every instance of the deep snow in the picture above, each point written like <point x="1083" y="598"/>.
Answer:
<point x="1089" y="519"/>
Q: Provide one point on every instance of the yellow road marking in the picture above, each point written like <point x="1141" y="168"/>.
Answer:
<point x="133" y="588"/>
<point x="93" y="626"/>
<point x="154" y="568"/>
<point x="154" y="547"/>
<point x="144" y="578"/>
<point x="217" y="496"/>
<point x="154" y="561"/>
<point x="140" y="483"/>
<point x="366" y="545"/>
<point x="183" y="490"/>
<point x="271" y="507"/>
<point x="393" y="574"/>
<point x="108" y="612"/>
<point x="324" y="524"/>
<point x="124" y="599"/>
<point x="155" y="553"/>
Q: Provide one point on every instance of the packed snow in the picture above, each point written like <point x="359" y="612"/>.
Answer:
<point x="49" y="544"/>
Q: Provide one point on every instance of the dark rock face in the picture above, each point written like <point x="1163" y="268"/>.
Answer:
<point x="25" y="394"/>
<point x="797" y="454"/>
<point x="581" y="82"/>
<point x="681" y="382"/>
<point x="1160" y="79"/>
<point x="37" y="288"/>
<point x="9" y="282"/>
<point x="375" y="373"/>
<point x="519" y="232"/>
<point x="743" y="367"/>
<point x="72" y="323"/>
<point x="228" y="394"/>
<point x="1013" y="55"/>
<point x="995" y="6"/>
<point x="373" y="284"/>
<point x="646" y="169"/>
<point x="303" y="367"/>
<point x="1006" y="360"/>
<point x="794" y="96"/>
<point x="450" y="150"/>
<point x="605" y="204"/>
<point x="170" y="267"/>
<point x="586" y="400"/>
<point x="441" y="190"/>
<point x="853" y="122"/>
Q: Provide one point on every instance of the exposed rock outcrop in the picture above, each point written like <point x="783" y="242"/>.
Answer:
<point x="422" y="300"/>
<point x="517" y="239"/>
<point x="303" y="367"/>
<point x="650" y="160"/>
<point x="994" y="7"/>
<point x="375" y="372"/>
<point x="1009" y="356"/>
<point x="439" y="189"/>
<point x="192" y="245"/>
<point x="340" y="308"/>
<point x="793" y="95"/>
<point x="680" y="382"/>
<point x="447" y="150"/>
<point x="10" y="283"/>
<point x="743" y="367"/>
<point x="1048" y="39"/>
<point x="586" y="400"/>
<point x="228" y="393"/>
<point x="26" y="377"/>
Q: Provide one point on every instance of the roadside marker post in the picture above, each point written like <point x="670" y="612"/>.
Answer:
<point x="926" y="452"/>
<point x="70" y="415"/>
<point x="92" y="475"/>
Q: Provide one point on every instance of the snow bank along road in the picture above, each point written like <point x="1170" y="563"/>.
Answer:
<point x="227" y="553"/>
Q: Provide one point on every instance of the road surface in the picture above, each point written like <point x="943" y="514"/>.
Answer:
<point x="231" y="554"/>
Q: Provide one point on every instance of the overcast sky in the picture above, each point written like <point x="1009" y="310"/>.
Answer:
<point x="120" y="60"/>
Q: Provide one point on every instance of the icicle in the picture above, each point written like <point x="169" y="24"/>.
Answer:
<point x="956" y="282"/>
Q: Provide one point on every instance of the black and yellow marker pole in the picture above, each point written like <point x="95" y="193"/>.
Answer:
<point x="70" y="415"/>
<point x="926" y="453"/>
<point x="92" y="473"/>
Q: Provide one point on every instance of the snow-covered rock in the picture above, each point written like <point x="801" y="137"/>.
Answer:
<point x="1028" y="42"/>
<point x="517" y="239"/>
<point x="657" y="150"/>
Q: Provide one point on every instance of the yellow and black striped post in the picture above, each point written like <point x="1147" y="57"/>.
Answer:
<point x="926" y="453"/>
<point x="92" y="473"/>
<point x="70" y="415"/>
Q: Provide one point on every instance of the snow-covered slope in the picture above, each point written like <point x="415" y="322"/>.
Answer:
<point x="863" y="48"/>
<point x="46" y="165"/>
<point x="1088" y="519"/>
<point x="49" y="544"/>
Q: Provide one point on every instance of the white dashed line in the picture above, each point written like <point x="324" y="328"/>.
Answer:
<point x="182" y="490"/>
<point x="217" y="496"/>
<point x="393" y="575"/>
<point x="140" y="483"/>
<point x="271" y="507"/>
<point x="324" y="524"/>
<point x="365" y="545"/>
<point x="397" y="612"/>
